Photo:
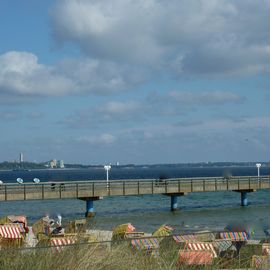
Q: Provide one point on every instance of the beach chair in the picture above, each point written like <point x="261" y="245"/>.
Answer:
<point x="163" y="230"/>
<point x="183" y="238"/>
<point x="266" y="249"/>
<point x="195" y="257"/>
<point x="222" y="246"/>
<point x="131" y="235"/>
<point x="120" y="231"/>
<point x="201" y="246"/>
<point x="58" y="243"/>
<point x="146" y="245"/>
<point x="238" y="239"/>
<point x="11" y="235"/>
<point x="76" y="226"/>
<point x="260" y="262"/>
<point x="205" y="236"/>
<point x="234" y="236"/>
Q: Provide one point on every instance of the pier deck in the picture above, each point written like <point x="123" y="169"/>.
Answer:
<point x="92" y="189"/>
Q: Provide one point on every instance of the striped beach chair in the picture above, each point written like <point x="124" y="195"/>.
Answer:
<point x="148" y="245"/>
<point x="234" y="236"/>
<point x="222" y="245"/>
<point x="201" y="246"/>
<point x="202" y="257"/>
<point x="184" y="238"/>
<point x="10" y="232"/>
<point x="59" y="243"/>
<point x="260" y="262"/>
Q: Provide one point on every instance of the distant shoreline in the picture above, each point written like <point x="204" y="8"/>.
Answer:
<point x="9" y="166"/>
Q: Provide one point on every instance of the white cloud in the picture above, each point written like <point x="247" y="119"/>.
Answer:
<point x="21" y="74"/>
<point x="205" y="98"/>
<point x="109" y="113"/>
<point x="101" y="139"/>
<point x="180" y="36"/>
<point x="10" y="115"/>
<point x="155" y="106"/>
<point x="119" y="108"/>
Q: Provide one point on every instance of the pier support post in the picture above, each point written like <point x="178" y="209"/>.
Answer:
<point x="244" y="200"/>
<point x="89" y="208"/>
<point x="244" y="193"/>
<point x="173" y="202"/>
<point x="90" y="205"/>
<point x="174" y="196"/>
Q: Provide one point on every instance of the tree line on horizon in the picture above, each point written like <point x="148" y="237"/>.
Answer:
<point x="7" y="165"/>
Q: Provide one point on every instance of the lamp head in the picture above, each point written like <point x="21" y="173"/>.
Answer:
<point x="36" y="180"/>
<point x="107" y="167"/>
<point x="258" y="165"/>
<point x="19" y="180"/>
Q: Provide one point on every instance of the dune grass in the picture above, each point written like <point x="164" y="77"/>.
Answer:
<point x="119" y="257"/>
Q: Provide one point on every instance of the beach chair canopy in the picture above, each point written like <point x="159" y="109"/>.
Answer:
<point x="234" y="236"/>
<point x="18" y="219"/>
<point x="181" y="238"/>
<point x="123" y="228"/>
<point x="163" y="230"/>
<point x="120" y="230"/>
<point x="145" y="243"/>
<point x="10" y="232"/>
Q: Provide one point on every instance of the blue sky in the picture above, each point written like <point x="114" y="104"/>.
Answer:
<point x="147" y="81"/>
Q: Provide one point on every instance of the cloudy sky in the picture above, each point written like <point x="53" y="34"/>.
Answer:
<point x="146" y="81"/>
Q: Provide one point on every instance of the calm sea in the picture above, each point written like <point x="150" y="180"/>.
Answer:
<point x="197" y="211"/>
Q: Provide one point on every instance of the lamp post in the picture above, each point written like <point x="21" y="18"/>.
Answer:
<point x="258" y="165"/>
<point x="107" y="168"/>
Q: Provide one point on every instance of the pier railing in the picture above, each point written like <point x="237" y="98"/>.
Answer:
<point x="90" y="189"/>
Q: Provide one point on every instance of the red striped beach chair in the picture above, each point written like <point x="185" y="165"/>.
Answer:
<point x="188" y="257"/>
<point x="59" y="243"/>
<point x="201" y="246"/>
<point x="10" y="232"/>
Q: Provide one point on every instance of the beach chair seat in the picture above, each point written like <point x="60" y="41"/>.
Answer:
<point x="205" y="236"/>
<point x="131" y="235"/>
<point x="195" y="257"/>
<point x="201" y="246"/>
<point x="222" y="245"/>
<point x="58" y="243"/>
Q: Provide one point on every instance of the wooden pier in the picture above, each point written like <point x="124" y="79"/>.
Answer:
<point x="92" y="190"/>
<point x="88" y="189"/>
